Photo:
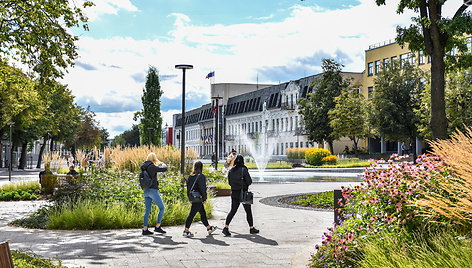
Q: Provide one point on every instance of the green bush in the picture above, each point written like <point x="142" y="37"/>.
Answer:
<point x="48" y="183"/>
<point x="222" y="185"/>
<point x="27" y="259"/>
<point x="314" y="156"/>
<point x="296" y="153"/>
<point x="108" y="199"/>
<point x="271" y="165"/>
<point x="317" y="200"/>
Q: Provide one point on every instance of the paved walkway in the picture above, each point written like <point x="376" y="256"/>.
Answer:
<point x="287" y="237"/>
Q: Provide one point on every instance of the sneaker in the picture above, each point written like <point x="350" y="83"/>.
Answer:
<point x="253" y="230"/>
<point x="159" y="230"/>
<point x="147" y="232"/>
<point x="212" y="229"/>
<point x="187" y="234"/>
<point x="226" y="232"/>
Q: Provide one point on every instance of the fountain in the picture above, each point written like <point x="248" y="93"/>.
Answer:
<point x="261" y="150"/>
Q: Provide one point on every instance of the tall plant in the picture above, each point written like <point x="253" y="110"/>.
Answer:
<point x="150" y="127"/>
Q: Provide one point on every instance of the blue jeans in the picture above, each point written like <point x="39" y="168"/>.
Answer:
<point x="149" y="196"/>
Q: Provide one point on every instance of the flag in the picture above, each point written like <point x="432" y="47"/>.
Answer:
<point x="210" y="74"/>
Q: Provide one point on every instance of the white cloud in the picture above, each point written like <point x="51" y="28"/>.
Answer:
<point x="235" y="51"/>
<point x="108" y="7"/>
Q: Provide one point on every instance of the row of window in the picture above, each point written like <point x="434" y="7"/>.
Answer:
<point x="376" y="67"/>
<point x="278" y="125"/>
<point x="279" y="149"/>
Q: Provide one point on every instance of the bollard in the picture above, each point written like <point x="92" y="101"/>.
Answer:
<point x="338" y="218"/>
<point x="5" y="256"/>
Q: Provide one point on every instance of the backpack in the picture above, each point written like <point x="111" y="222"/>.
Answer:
<point x="145" y="180"/>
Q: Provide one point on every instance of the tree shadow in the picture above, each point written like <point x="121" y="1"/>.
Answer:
<point x="167" y="240"/>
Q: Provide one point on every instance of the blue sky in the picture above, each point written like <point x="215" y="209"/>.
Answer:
<point x="272" y="40"/>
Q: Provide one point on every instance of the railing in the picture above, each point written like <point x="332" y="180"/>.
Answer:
<point x="381" y="44"/>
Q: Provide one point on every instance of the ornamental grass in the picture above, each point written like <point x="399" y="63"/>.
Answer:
<point x="454" y="200"/>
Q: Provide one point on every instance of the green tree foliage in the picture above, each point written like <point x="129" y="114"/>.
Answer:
<point x="396" y="96"/>
<point x="349" y="116"/>
<point x="36" y="33"/>
<point x="127" y="138"/>
<point x="88" y="135"/>
<point x="436" y="35"/>
<point x="458" y="103"/>
<point x="315" y="107"/>
<point x="150" y="127"/>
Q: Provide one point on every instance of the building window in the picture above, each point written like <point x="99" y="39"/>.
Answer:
<point x="421" y="57"/>
<point x="469" y="44"/>
<point x="386" y="64"/>
<point x="394" y="58"/>
<point x="377" y="66"/>
<point x="429" y="59"/>
<point x="404" y="58"/>
<point x="370" y="92"/>
<point x="370" y="68"/>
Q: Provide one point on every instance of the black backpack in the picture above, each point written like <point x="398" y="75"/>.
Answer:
<point x="145" y="180"/>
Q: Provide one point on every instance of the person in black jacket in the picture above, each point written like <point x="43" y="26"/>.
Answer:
<point x="239" y="179"/>
<point x="197" y="182"/>
<point x="153" y="166"/>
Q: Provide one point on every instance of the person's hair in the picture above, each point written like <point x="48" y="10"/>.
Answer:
<point x="239" y="161"/>
<point x="233" y="150"/>
<point x="72" y="166"/>
<point x="197" y="168"/>
<point x="153" y="158"/>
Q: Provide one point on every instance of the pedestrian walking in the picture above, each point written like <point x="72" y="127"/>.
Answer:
<point x="239" y="180"/>
<point x="153" y="166"/>
<point x="197" y="182"/>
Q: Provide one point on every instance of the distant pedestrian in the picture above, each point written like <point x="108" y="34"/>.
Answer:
<point x="197" y="182"/>
<point x="153" y="166"/>
<point x="214" y="160"/>
<point x="239" y="180"/>
<point x="72" y="171"/>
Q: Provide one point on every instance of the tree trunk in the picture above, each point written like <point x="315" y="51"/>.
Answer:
<point x="413" y="149"/>
<point x="41" y="151"/>
<point x="1" y="153"/>
<point x="356" y="153"/>
<point x="438" y="121"/>
<point x="51" y="146"/>
<point x="24" y="150"/>
<point x="74" y="154"/>
<point x="331" y="147"/>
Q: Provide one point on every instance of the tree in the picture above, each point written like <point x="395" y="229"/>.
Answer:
<point x="395" y="99"/>
<point x="89" y="135"/>
<point x="349" y="116"/>
<point x="150" y="127"/>
<point x="36" y="33"/>
<point x="458" y="94"/>
<point x="436" y="36"/>
<point x="315" y="107"/>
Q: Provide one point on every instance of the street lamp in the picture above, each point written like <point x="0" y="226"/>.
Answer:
<point x="183" y="67"/>
<point x="11" y="153"/>
<point x="216" y="132"/>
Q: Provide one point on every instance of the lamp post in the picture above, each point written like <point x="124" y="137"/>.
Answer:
<point x="11" y="153"/>
<point x="183" y="67"/>
<point x="216" y="132"/>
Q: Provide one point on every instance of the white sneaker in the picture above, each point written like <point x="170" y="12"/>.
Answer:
<point x="187" y="234"/>
<point x="212" y="229"/>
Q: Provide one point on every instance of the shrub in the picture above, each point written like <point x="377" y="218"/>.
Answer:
<point x="454" y="200"/>
<point x="314" y="156"/>
<point x="222" y="185"/>
<point x="272" y="165"/>
<point x="317" y="200"/>
<point x="48" y="183"/>
<point x="329" y="160"/>
<point x="296" y="153"/>
<point x="27" y="259"/>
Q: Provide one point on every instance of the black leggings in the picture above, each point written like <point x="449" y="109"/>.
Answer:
<point x="200" y="208"/>
<point x="235" y="201"/>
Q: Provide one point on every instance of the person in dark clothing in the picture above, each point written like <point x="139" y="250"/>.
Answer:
<point x="153" y="166"/>
<point x="214" y="160"/>
<point x="239" y="179"/>
<point x="197" y="181"/>
<point x="72" y="171"/>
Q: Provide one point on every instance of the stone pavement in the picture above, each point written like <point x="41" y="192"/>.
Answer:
<point x="286" y="239"/>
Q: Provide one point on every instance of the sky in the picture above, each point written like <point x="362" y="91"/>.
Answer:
<point x="244" y="41"/>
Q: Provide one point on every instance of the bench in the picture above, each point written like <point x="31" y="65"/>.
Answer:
<point x="5" y="256"/>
